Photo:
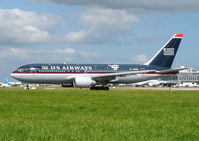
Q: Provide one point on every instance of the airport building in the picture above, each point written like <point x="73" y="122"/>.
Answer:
<point x="185" y="78"/>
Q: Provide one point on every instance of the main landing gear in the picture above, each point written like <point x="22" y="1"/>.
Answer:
<point x="99" y="88"/>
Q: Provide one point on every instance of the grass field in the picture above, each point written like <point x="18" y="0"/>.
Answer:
<point x="83" y="115"/>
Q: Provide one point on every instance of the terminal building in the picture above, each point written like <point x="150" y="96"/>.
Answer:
<point x="185" y="78"/>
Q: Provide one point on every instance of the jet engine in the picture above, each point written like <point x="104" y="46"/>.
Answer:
<point x="83" y="82"/>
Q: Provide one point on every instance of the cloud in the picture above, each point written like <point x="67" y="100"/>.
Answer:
<point x="66" y="51"/>
<point x="13" y="53"/>
<point x="78" y="37"/>
<point x="100" y="25"/>
<point x="68" y="55"/>
<point x="97" y="26"/>
<point x="135" y="5"/>
<point x="146" y="37"/>
<point x="142" y="58"/>
<point x="11" y="58"/>
<point x="19" y="27"/>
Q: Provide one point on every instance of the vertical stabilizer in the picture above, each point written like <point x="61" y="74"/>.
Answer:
<point x="165" y="56"/>
<point x="6" y="81"/>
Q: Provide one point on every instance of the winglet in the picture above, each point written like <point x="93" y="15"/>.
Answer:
<point x="178" y="36"/>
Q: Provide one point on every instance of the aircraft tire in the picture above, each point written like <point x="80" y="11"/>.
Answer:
<point x="99" y="88"/>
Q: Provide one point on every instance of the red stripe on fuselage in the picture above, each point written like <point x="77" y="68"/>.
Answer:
<point x="98" y="73"/>
<point x="56" y="73"/>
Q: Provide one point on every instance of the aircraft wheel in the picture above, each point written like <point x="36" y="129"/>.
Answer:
<point x="99" y="88"/>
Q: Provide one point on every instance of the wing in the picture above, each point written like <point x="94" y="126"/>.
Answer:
<point x="171" y="70"/>
<point x="105" y="78"/>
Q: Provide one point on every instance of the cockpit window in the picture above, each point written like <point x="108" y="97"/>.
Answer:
<point x="20" y="70"/>
<point x="28" y="68"/>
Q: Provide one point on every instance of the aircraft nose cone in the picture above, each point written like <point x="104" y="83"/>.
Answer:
<point x="13" y="75"/>
<point x="16" y="76"/>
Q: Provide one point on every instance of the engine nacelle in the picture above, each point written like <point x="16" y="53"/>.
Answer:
<point x="83" y="82"/>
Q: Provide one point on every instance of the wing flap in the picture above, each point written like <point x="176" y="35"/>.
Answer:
<point x="171" y="70"/>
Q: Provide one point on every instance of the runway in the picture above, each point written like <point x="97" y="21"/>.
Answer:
<point x="157" y="88"/>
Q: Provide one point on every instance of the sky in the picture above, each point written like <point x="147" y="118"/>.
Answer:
<point x="95" y="31"/>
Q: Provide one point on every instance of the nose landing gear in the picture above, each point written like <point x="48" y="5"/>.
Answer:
<point x="27" y="87"/>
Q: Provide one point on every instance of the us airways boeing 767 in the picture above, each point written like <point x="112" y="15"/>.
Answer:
<point x="98" y="76"/>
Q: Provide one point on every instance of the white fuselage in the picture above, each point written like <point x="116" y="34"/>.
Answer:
<point x="67" y="78"/>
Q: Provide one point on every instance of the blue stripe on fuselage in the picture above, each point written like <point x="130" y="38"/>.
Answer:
<point x="84" y="68"/>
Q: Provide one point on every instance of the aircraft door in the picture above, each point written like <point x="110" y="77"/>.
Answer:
<point x="33" y="71"/>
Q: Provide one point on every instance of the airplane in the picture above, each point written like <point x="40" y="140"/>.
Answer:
<point x="98" y="76"/>
<point x="7" y="83"/>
